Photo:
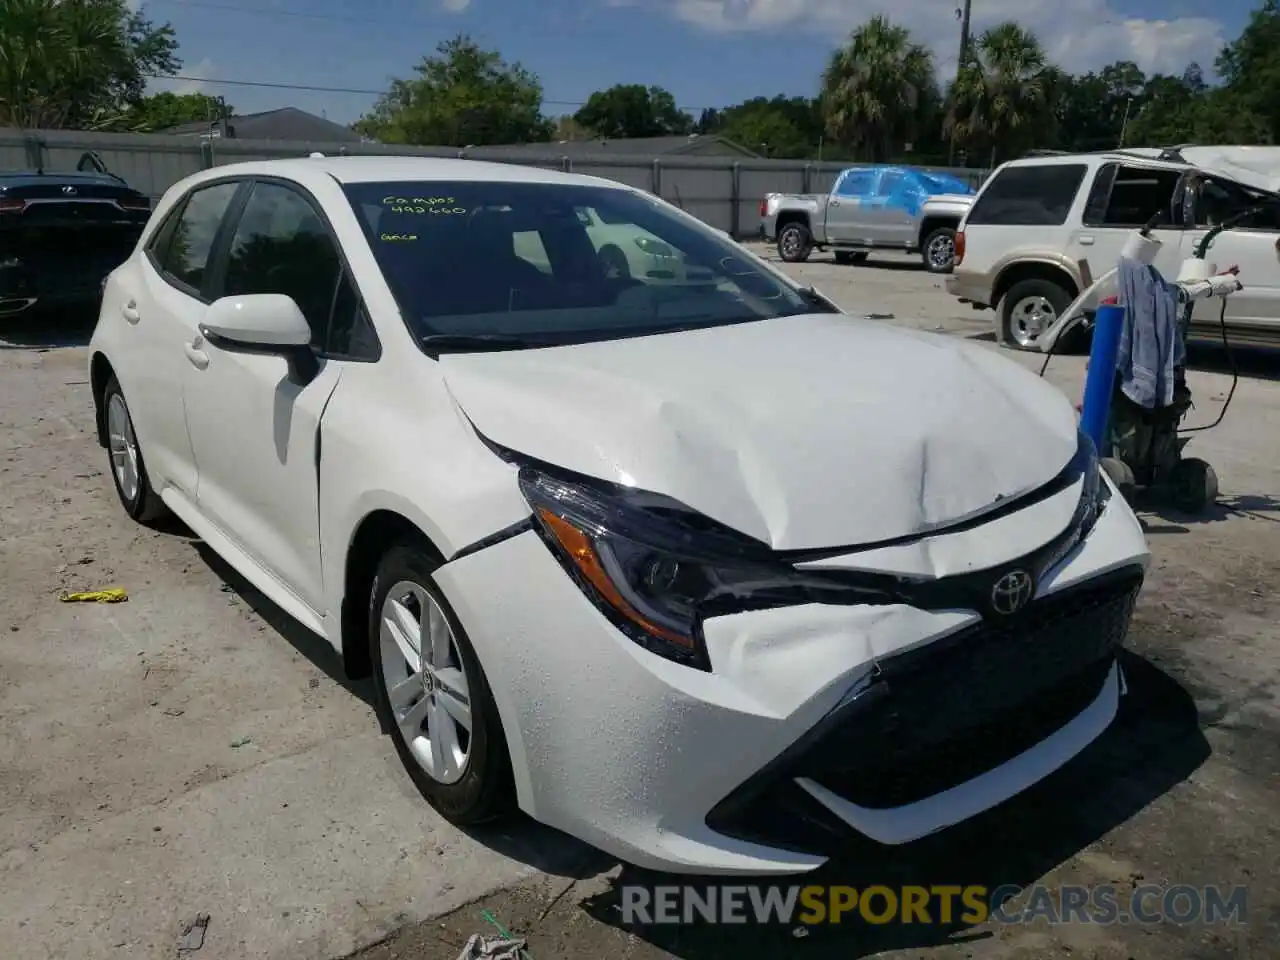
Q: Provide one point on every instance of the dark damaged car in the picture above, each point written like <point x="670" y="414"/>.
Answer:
<point x="61" y="234"/>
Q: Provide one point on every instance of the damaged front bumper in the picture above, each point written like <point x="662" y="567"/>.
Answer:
<point x="814" y="720"/>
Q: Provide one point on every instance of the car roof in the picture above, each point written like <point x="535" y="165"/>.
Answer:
<point x="13" y="178"/>
<point x="366" y="169"/>
<point x="1144" y="156"/>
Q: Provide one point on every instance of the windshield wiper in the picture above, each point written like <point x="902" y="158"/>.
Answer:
<point x="480" y="342"/>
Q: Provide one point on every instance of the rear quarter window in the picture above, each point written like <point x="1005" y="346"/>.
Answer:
<point x="1029" y="196"/>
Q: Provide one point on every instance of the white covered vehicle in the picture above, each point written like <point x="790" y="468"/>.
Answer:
<point x="654" y="562"/>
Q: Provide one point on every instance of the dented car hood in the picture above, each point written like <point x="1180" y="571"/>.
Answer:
<point x="804" y="432"/>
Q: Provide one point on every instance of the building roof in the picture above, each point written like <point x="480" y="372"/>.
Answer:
<point x="631" y="147"/>
<point x="287" y="123"/>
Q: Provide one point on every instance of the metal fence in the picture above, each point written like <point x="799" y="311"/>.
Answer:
<point x="722" y="191"/>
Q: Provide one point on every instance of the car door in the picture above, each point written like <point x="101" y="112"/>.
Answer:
<point x="847" y="210"/>
<point x="1253" y="245"/>
<point x="254" y="421"/>
<point x="162" y="299"/>
<point x="897" y="203"/>
<point x="1122" y="199"/>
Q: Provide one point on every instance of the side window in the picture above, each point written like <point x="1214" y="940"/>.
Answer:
<point x="282" y="246"/>
<point x="1216" y="202"/>
<point x="158" y="247"/>
<point x="529" y="247"/>
<point x="187" y="257"/>
<point x="855" y="183"/>
<point x="351" y="332"/>
<point x="1031" y="195"/>
<point x="1135" y="194"/>
<point x="892" y="182"/>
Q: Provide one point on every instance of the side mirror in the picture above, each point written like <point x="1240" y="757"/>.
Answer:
<point x="257" y="321"/>
<point x="262" y="323"/>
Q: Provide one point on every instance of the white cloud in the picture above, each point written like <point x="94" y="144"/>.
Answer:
<point x="196" y="76"/>
<point x="1077" y="34"/>
<point x="455" y="6"/>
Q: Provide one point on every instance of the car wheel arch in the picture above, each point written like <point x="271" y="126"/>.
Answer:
<point x="370" y="539"/>
<point x="1032" y="270"/>
<point x="100" y="373"/>
<point x="934" y="222"/>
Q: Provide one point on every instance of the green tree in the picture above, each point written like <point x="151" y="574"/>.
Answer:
<point x="1250" y="70"/>
<point x="464" y="95"/>
<point x="629" y="110"/>
<point x="163" y="110"/>
<point x="999" y="99"/>
<point x="877" y="89"/>
<point x="77" y="63"/>
<point x="788" y="127"/>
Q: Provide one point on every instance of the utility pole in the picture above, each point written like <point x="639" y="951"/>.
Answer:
<point x="964" y="34"/>
<point x="963" y="12"/>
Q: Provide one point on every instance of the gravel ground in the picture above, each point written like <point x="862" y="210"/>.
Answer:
<point x="193" y="751"/>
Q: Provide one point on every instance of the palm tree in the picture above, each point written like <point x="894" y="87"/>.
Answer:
<point x="1001" y="92"/>
<point x="876" y="87"/>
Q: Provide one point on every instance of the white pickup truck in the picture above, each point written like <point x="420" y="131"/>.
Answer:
<point x="871" y="208"/>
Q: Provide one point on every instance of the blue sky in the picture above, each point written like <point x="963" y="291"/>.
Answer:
<point x="706" y="52"/>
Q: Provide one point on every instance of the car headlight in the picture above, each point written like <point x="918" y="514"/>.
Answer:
<point x="1094" y="494"/>
<point x="657" y="569"/>
<point x="655" y="248"/>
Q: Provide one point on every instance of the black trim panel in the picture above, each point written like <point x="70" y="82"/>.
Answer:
<point x="506" y="533"/>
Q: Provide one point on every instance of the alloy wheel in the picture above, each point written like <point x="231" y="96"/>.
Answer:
<point x="426" y="682"/>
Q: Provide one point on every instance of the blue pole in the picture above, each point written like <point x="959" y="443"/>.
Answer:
<point x="1100" y="381"/>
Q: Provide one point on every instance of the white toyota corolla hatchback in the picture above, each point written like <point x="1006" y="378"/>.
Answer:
<point x="703" y="573"/>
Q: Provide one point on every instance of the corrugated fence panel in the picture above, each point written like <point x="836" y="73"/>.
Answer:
<point x="702" y="185"/>
<point x="705" y="192"/>
<point x="639" y="174"/>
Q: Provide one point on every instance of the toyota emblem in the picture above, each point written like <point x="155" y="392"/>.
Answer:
<point x="69" y="191"/>
<point x="1011" y="592"/>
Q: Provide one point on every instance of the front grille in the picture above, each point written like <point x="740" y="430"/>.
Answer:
<point x="893" y="778"/>
<point x="955" y="708"/>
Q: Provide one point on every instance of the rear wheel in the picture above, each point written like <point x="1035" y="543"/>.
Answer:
<point x="939" y="250"/>
<point x="432" y="695"/>
<point x="1028" y="309"/>
<point x="128" y="470"/>
<point x="1193" y="485"/>
<point x="795" y="243"/>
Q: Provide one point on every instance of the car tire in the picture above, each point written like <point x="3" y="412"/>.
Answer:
<point x="464" y="774"/>
<point x="845" y="257"/>
<point x="1194" y="485"/>
<point x="1027" y="308"/>
<point x="939" y="250"/>
<point x="124" y="458"/>
<point x="795" y="243"/>
<point x="614" y="262"/>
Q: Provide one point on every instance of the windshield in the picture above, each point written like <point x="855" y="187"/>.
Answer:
<point x="556" y="263"/>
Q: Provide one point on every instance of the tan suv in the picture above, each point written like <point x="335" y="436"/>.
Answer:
<point x="1041" y="229"/>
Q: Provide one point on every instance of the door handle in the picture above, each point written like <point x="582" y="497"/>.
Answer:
<point x="199" y="359"/>
<point x="130" y="311"/>
<point x="833" y="203"/>
<point x="1086" y="241"/>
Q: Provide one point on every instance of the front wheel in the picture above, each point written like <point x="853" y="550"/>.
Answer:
<point x="795" y="243"/>
<point x="432" y="696"/>
<point x="128" y="470"/>
<point x="1028" y="309"/>
<point x="939" y="250"/>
